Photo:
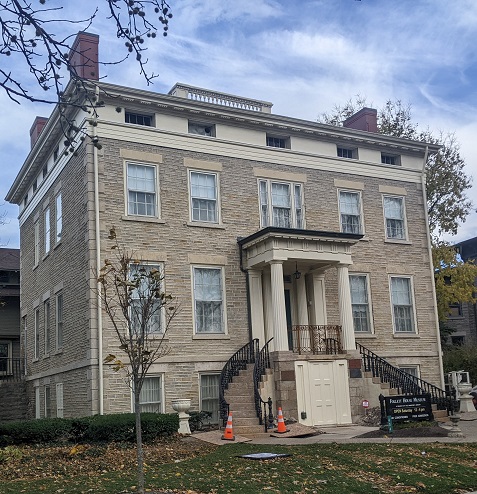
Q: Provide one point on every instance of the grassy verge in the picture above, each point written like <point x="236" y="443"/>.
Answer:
<point x="196" y="467"/>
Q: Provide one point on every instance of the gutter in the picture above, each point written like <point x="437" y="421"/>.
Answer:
<point x="98" y="265"/>
<point x="429" y="249"/>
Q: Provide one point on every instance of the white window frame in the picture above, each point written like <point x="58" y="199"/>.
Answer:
<point x="414" y="367"/>
<point x="8" y="366"/>
<point x="37" y="403"/>
<point x="162" y="315"/>
<point x="47" y="401"/>
<point x="59" y="320"/>
<point x="223" y="301"/>
<point x="162" y="397"/>
<point x="368" y="303"/>
<point x="37" y="243"/>
<point x="266" y="206"/>
<point x="36" y="340"/>
<point x="413" y="305"/>
<point x="194" y="128"/>
<point x="46" y="217"/>
<point x="389" y="157"/>
<point x="360" y="206"/>
<point x="58" y="218"/>
<point x="156" y="189"/>
<point x="213" y="420"/>
<point x="47" y="325"/>
<point x="218" y="219"/>
<point x="59" y="400"/>
<point x="352" y="150"/>
<point x="404" y="220"/>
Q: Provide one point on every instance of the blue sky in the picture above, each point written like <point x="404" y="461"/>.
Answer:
<point x="303" y="56"/>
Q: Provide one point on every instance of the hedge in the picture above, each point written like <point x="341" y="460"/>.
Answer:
<point x="98" y="428"/>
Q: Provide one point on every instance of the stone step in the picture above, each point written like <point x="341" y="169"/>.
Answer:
<point x="242" y="399"/>
<point x="251" y="431"/>
<point x="244" y="421"/>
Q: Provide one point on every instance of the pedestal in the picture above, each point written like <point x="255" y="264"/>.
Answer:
<point x="466" y="404"/>
<point x="182" y="406"/>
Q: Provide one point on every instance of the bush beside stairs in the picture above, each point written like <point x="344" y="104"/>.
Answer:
<point x="240" y="396"/>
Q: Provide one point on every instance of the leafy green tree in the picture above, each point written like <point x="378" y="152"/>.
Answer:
<point x="132" y="295"/>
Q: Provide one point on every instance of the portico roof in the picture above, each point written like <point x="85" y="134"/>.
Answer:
<point x="284" y="244"/>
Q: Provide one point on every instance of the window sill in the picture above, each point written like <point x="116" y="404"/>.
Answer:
<point x="365" y="239"/>
<point x="211" y="336"/>
<point x="144" y="219"/>
<point x="57" y="245"/>
<point x="46" y="256"/>
<point x="406" y="335"/>
<point x="397" y="241"/>
<point x="36" y="359"/>
<point x="35" y="266"/>
<point x="202" y="224"/>
<point x="365" y="335"/>
<point x="58" y="352"/>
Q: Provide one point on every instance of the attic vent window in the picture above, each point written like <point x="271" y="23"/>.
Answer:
<point x="390" y="159"/>
<point x="138" y="119"/>
<point x="347" y="153"/>
<point x="202" y="129"/>
<point x="277" y="142"/>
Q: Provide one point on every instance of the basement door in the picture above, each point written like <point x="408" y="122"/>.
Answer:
<point x="323" y="392"/>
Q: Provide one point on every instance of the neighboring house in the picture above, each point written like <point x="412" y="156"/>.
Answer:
<point x="265" y="226"/>
<point x="463" y="317"/>
<point x="12" y="389"/>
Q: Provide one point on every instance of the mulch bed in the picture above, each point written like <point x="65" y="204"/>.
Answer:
<point x="434" y="431"/>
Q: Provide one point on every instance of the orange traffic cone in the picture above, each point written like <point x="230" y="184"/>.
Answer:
<point x="281" y="428"/>
<point x="229" y="432"/>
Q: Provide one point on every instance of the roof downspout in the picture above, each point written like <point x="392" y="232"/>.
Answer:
<point x="98" y="264"/>
<point x="247" y="287"/>
<point x="429" y="249"/>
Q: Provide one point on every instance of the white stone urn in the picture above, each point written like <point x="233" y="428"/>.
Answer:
<point x="182" y="406"/>
<point x="466" y="404"/>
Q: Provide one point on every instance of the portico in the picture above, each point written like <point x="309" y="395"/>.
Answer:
<point x="286" y="270"/>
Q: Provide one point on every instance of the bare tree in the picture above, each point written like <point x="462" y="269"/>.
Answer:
<point x="133" y="297"/>
<point x="32" y="33"/>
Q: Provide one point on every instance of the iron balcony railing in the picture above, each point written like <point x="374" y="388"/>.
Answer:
<point x="11" y="369"/>
<point x="237" y="362"/>
<point x="316" y="339"/>
<point x="404" y="382"/>
<point x="264" y="408"/>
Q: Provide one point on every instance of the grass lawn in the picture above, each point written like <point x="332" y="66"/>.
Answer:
<point x="192" y="466"/>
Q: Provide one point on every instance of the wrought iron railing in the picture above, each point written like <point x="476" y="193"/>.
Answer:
<point x="264" y="408"/>
<point x="237" y="362"/>
<point x="316" y="339"/>
<point x="11" y="369"/>
<point x="404" y="382"/>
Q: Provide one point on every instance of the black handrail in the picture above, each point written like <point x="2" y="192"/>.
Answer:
<point x="11" y="369"/>
<point x="404" y="382"/>
<point x="263" y="408"/>
<point x="237" y="362"/>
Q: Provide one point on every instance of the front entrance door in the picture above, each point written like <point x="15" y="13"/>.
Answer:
<point x="289" y="318"/>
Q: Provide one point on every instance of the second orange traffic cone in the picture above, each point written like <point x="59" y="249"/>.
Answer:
<point x="281" y="427"/>
<point x="229" y="431"/>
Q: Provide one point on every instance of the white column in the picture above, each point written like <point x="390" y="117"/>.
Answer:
<point x="346" y="313"/>
<point x="319" y="299"/>
<point x="302" y="301"/>
<point x="278" y="306"/>
<point x="267" y="308"/>
<point x="256" y="305"/>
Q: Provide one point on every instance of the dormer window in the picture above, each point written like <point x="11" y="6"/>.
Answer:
<point x="201" y="129"/>
<point x="345" y="152"/>
<point x="138" y="119"/>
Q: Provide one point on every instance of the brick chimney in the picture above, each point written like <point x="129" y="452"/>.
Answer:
<point x="366" y="119"/>
<point x="36" y="128"/>
<point x="84" y="55"/>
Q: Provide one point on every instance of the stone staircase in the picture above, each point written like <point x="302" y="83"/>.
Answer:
<point x="240" y="396"/>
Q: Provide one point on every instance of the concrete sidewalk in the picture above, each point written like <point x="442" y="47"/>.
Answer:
<point x="348" y="434"/>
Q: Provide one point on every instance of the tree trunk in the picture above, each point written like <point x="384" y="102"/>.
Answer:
<point x="140" y="453"/>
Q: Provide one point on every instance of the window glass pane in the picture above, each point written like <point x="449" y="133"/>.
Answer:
<point x="141" y="190"/>
<point x="350" y="212"/>
<point x="281" y="205"/>
<point x="47" y="230"/>
<point x="359" y="302"/>
<point x="59" y="217"/>
<point x="264" y="203"/>
<point x="402" y="304"/>
<point x="59" y="320"/>
<point x="208" y="300"/>
<point x="393" y="208"/>
<point x="204" y="196"/>
<point x="209" y="392"/>
<point x="150" y="397"/>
